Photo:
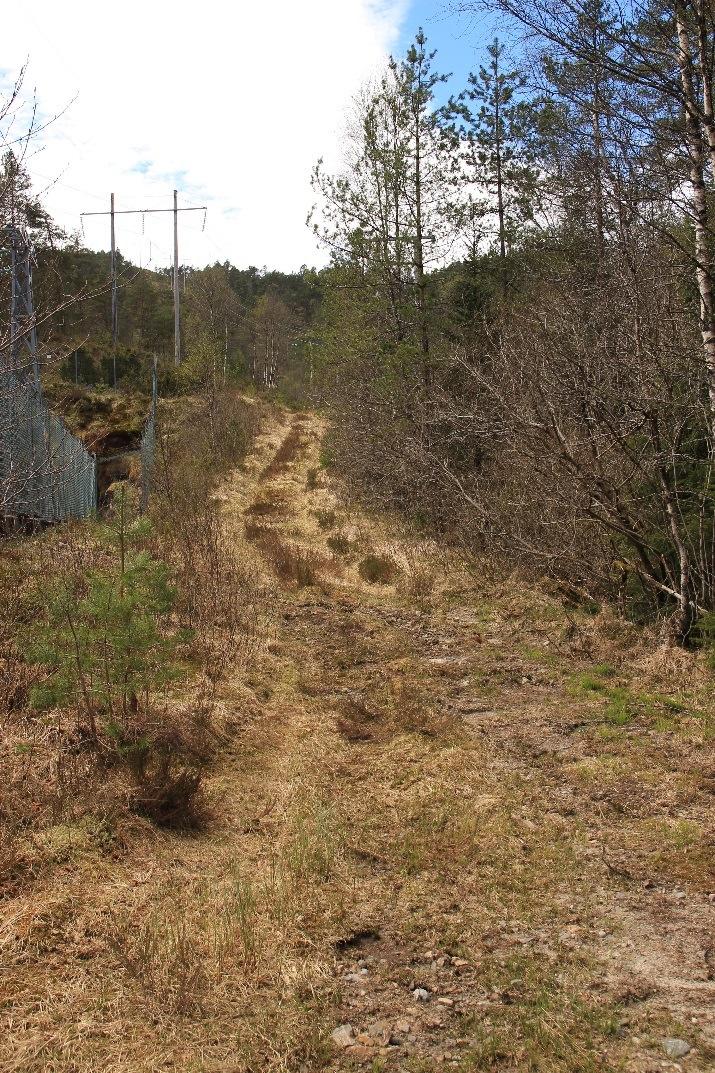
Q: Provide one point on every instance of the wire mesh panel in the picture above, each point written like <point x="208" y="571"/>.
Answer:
<point x="46" y="474"/>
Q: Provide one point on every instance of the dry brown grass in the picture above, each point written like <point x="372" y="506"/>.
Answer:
<point x="291" y="563"/>
<point x="418" y="793"/>
<point x="267" y="506"/>
<point x="326" y="517"/>
<point x="339" y="544"/>
<point x="420" y="576"/>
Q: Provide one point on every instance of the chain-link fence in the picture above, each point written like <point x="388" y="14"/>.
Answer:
<point x="46" y="473"/>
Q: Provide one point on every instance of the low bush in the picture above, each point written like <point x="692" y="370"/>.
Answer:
<point x="377" y="569"/>
<point x="107" y="646"/>
<point x="339" y="544"/>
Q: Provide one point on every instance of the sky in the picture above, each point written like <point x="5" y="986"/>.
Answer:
<point x="231" y="102"/>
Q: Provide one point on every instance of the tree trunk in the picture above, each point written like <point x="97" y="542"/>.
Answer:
<point x="699" y="202"/>
<point x="420" y="281"/>
<point x="500" y="186"/>
<point x="598" y="182"/>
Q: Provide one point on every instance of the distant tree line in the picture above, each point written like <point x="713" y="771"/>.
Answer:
<point x="237" y="324"/>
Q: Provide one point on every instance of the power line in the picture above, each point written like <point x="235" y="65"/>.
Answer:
<point x="143" y="212"/>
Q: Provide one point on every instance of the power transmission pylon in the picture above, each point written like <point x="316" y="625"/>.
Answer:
<point x="143" y="212"/>
<point x="23" y="330"/>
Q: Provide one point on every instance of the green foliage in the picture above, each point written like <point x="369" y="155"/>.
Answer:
<point x="706" y="636"/>
<point x="102" y="635"/>
<point x="500" y="126"/>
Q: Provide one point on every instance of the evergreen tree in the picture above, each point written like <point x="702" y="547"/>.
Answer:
<point x="18" y="205"/>
<point x="430" y="174"/>
<point x="391" y="214"/>
<point x="581" y="129"/>
<point x="499" y="126"/>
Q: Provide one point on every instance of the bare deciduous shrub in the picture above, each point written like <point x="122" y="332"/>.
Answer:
<point x="168" y="768"/>
<point x="600" y="466"/>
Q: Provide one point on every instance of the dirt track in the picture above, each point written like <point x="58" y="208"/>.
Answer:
<point x="517" y="777"/>
<point x="428" y="786"/>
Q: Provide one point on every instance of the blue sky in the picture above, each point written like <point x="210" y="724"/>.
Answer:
<point x="241" y="131"/>
<point x="459" y="40"/>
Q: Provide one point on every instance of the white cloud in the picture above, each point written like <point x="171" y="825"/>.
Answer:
<point x="230" y="102"/>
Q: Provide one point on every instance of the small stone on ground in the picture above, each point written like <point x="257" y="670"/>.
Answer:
<point x="676" y="1048"/>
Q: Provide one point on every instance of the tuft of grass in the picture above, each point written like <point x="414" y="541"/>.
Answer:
<point x="377" y="569"/>
<point x="326" y="518"/>
<point x="594" y="681"/>
<point x="674" y="705"/>
<point x="619" y="708"/>
<point x="621" y="704"/>
<point x="540" y="655"/>
<point x="605" y="670"/>
<point x="339" y="544"/>
<point x="176" y="951"/>
<point x="539" y="1019"/>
